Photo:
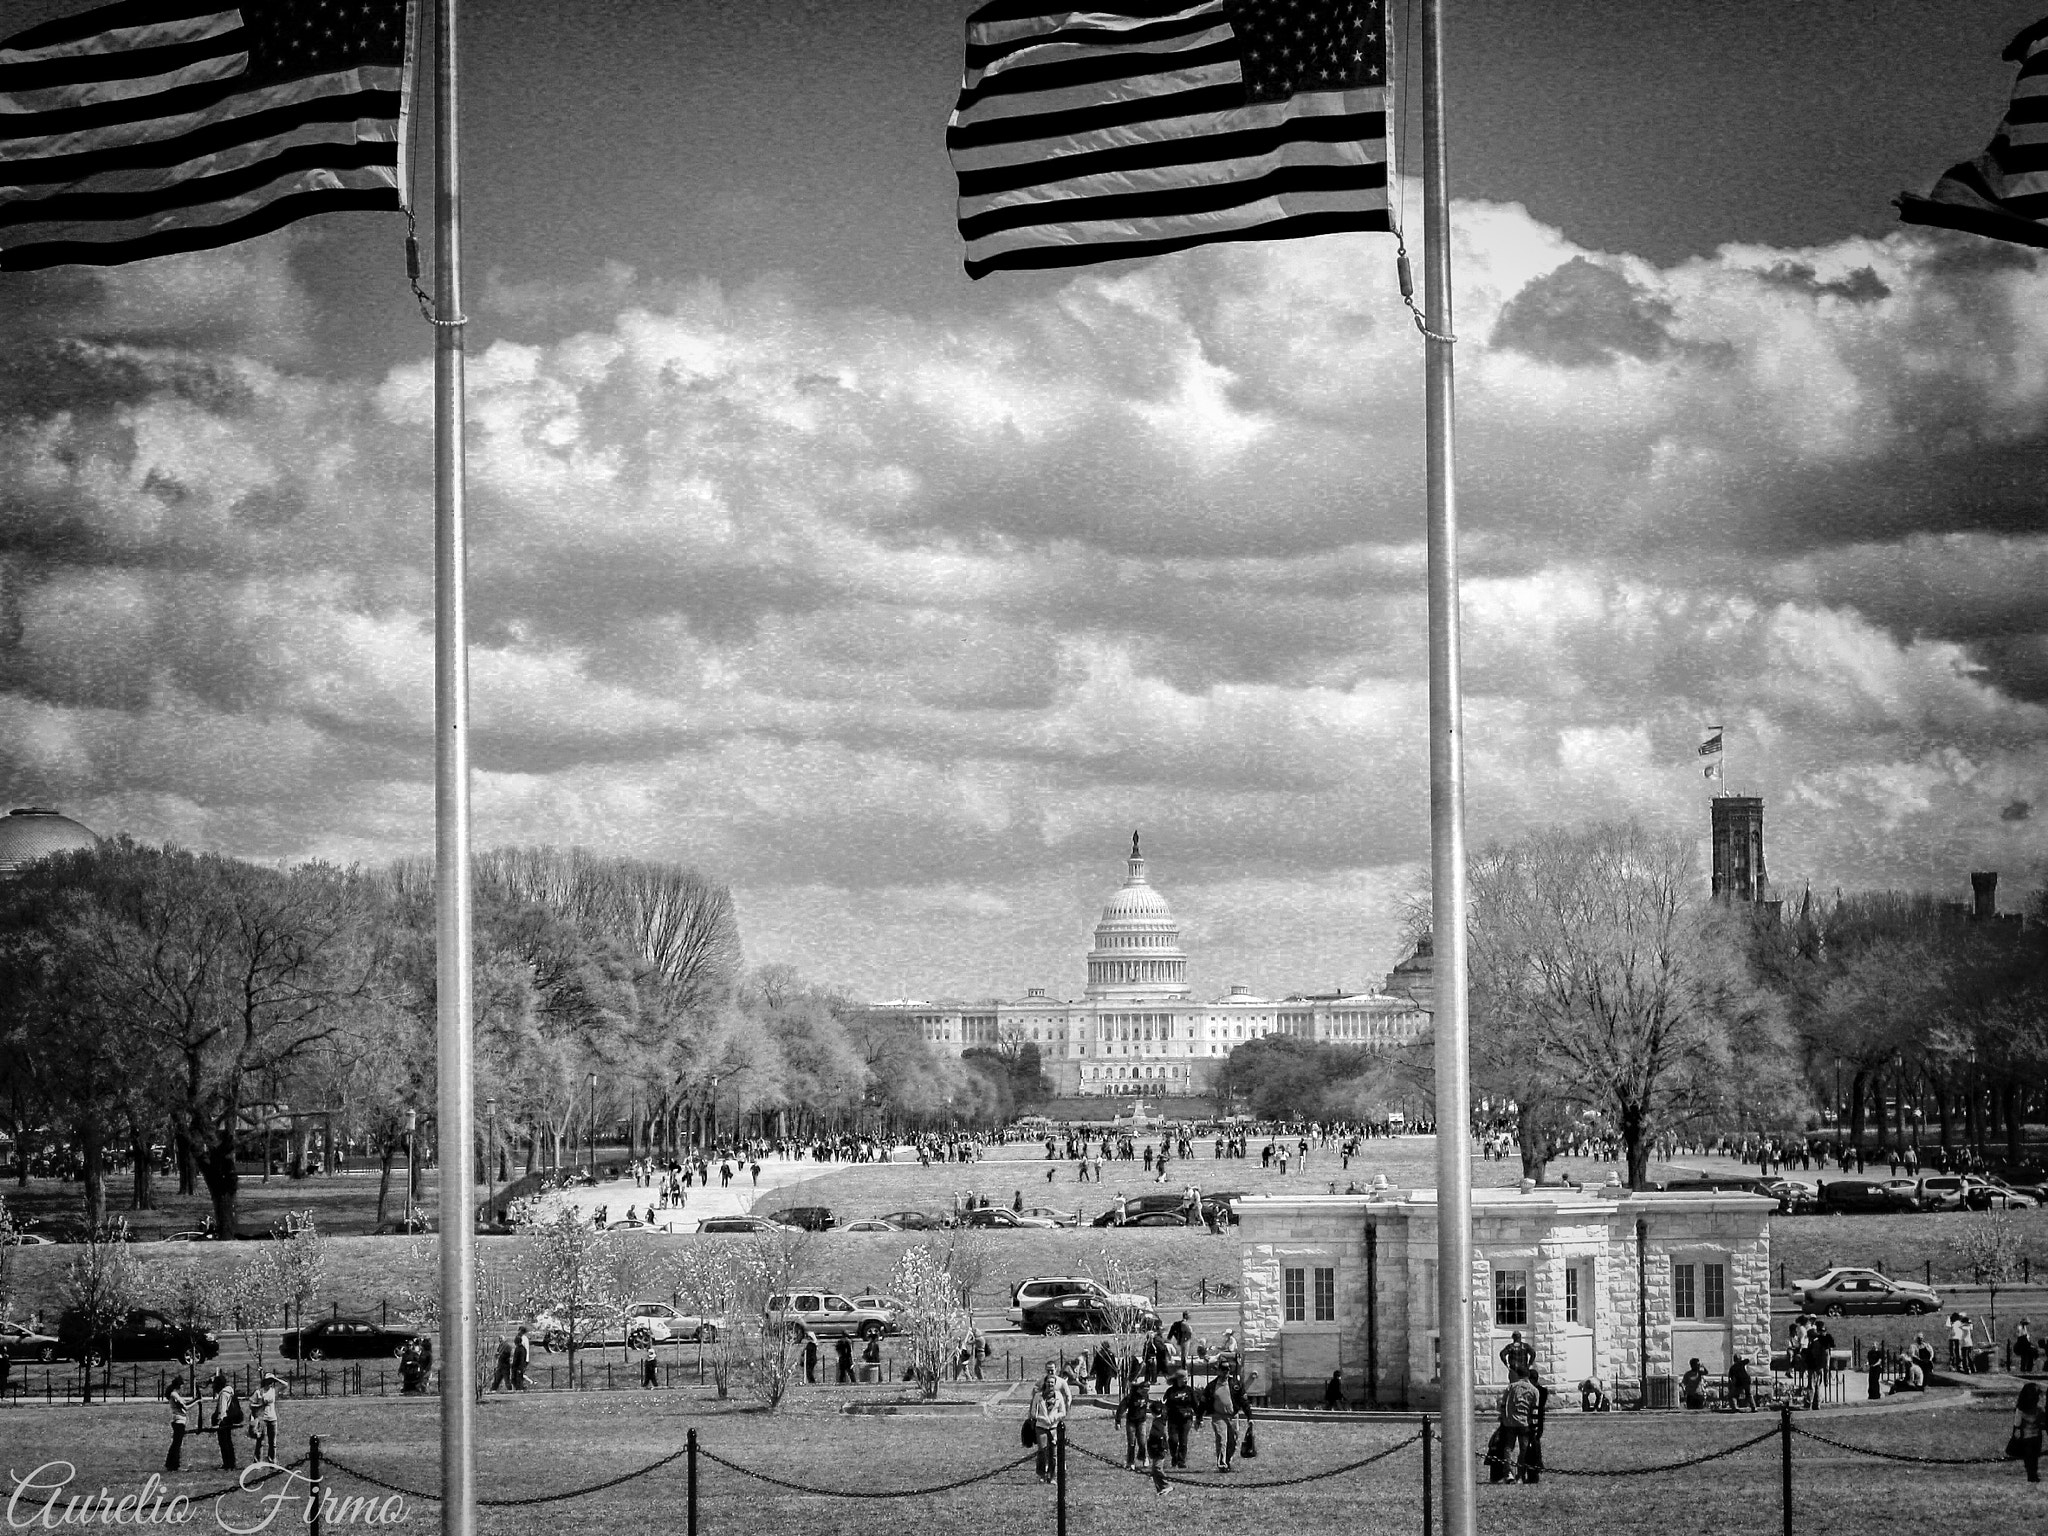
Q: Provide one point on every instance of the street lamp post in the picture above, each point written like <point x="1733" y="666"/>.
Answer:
<point x="491" y="1161"/>
<point x="593" y="1127"/>
<point x="412" y="1164"/>
<point x="711" y="1134"/>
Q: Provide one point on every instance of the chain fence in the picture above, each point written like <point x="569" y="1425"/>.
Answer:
<point x="1242" y="1485"/>
<point x="1918" y="1461"/>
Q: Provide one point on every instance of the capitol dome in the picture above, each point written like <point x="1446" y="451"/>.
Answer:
<point x="1137" y="951"/>
<point x="30" y="834"/>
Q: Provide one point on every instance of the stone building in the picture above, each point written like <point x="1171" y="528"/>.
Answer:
<point x="1137" y="1026"/>
<point x="1348" y="1282"/>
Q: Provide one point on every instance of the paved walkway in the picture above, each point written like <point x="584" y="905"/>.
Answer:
<point x="740" y="1198"/>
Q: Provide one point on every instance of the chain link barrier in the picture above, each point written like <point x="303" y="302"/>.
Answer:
<point x="1548" y="1470"/>
<point x="1918" y="1461"/>
<point x="539" y="1498"/>
<point x="863" y="1493"/>
<point x="1271" y="1482"/>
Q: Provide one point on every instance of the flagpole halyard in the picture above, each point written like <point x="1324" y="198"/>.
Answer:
<point x="452" y="1012"/>
<point x="1447" y="817"/>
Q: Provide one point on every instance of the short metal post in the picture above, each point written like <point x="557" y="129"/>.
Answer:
<point x="313" y="1478"/>
<point x="1785" y="1443"/>
<point x="1428" y="1515"/>
<point x="1059" y="1467"/>
<point x="692" y="1529"/>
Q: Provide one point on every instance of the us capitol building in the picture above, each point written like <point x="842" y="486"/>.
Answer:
<point x="1137" y="1028"/>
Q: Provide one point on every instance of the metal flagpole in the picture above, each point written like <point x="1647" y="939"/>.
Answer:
<point x="451" y="813"/>
<point x="1447" y="819"/>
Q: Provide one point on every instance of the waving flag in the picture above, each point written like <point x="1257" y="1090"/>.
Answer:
<point x="2003" y="193"/>
<point x="1711" y="749"/>
<point x="1154" y="125"/>
<point x="152" y="126"/>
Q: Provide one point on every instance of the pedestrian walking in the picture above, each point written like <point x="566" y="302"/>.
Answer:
<point x="1873" y="1362"/>
<point x="1180" y="1407"/>
<point x="1049" y="1403"/>
<point x="844" y="1351"/>
<point x="522" y="1356"/>
<point x="228" y="1416"/>
<point x="2024" y="1349"/>
<point x="181" y="1421"/>
<point x="810" y="1358"/>
<point x="1105" y="1367"/>
<point x="1221" y="1405"/>
<point x="1518" y="1419"/>
<point x="650" y="1367"/>
<point x="263" y="1417"/>
<point x="1132" y="1409"/>
<point x="501" y="1378"/>
<point x="2025" y="1441"/>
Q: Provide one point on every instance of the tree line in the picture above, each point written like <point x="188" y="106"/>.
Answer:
<point x="156" y="1002"/>
<point x="1614" y="1000"/>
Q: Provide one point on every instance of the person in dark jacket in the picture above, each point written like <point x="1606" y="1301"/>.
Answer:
<point x="1105" y="1368"/>
<point x="1136" y="1413"/>
<point x="1222" y="1405"/>
<point x="1181" y="1408"/>
<point x="844" y="1350"/>
<point x="181" y="1420"/>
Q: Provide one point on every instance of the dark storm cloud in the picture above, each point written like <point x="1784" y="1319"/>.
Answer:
<point x="1584" y="316"/>
<point x="1862" y="285"/>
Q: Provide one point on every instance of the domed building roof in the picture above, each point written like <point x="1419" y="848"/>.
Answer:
<point x="31" y="833"/>
<point x="1137" y="951"/>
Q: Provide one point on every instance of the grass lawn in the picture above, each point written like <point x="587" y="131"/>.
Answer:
<point x="529" y="1446"/>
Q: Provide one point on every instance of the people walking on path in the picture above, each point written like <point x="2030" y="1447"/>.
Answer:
<point x="1180" y="1408"/>
<point x="650" y="1367"/>
<point x="1049" y="1403"/>
<point x="844" y="1351"/>
<point x="1132" y="1410"/>
<point x="522" y="1356"/>
<point x="1222" y="1405"/>
<point x="181" y="1421"/>
<point x="501" y="1378"/>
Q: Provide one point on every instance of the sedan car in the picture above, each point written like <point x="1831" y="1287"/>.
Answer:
<point x="656" y="1322"/>
<point x="1997" y="1195"/>
<point x="1840" y="1291"/>
<point x="995" y="1216"/>
<point x="18" y="1342"/>
<point x="741" y="1224"/>
<point x="1794" y="1196"/>
<point x="871" y="1224"/>
<point x="1053" y="1214"/>
<point x="30" y="1239"/>
<point x="915" y="1221"/>
<point x="344" y="1338"/>
<point x="633" y="1224"/>
<point x="1085" y="1314"/>
<point x="878" y="1301"/>
<point x="141" y="1335"/>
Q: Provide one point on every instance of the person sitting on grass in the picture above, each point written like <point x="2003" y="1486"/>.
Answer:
<point x="1593" y="1397"/>
<point x="1914" y="1378"/>
<point x="1741" y="1387"/>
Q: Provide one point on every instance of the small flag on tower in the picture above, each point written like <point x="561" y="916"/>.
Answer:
<point x="1144" y="126"/>
<point x="2003" y="193"/>
<point x="1711" y="750"/>
<point x="151" y="126"/>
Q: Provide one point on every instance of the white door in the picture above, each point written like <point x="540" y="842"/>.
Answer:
<point x="1575" y="1333"/>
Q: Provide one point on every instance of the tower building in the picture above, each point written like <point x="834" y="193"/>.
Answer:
<point x="1739" y="848"/>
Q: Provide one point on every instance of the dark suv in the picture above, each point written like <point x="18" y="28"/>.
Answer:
<point x="1843" y="1195"/>
<point x="141" y="1335"/>
<point x="812" y="1218"/>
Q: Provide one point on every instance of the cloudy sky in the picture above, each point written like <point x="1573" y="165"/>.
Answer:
<point x="899" y="601"/>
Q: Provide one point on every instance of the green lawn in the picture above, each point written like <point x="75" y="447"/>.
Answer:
<point x="533" y="1446"/>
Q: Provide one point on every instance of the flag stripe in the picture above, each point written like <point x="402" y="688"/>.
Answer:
<point x="62" y="71"/>
<point x="1284" y="227"/>
<point x="262" y="216"/>
<point x="1097" y="67"/>
<point x="998" y="12"/>
<point x="108" y="20"/>
<point x="189" y="192"/>
<point x="1175" y="199"/>
<point x="1147" y="154"/>
<point x="1204" y="101"/>
<point x="980" y="55"/>
<point x="327" y="99"/>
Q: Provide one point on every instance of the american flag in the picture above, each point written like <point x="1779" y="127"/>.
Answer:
<point x="1097" y="135"/>
<point x="2003" y="193"/>
<point x="151" y="126"/>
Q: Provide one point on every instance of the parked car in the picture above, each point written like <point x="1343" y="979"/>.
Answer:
<point x="1142" y="1205"/>
<point x="1947" y="1191"/>
<point x="141" y="1335"/>
<point x="741" y="1224"/>
<point x="828" y="1315"/>
<point x="1843" y="1290"/>
<point x="1906" y="1192"/>
<point x="1794" y="1196"/>
<point x="916" y="1221"/>
<point x="1053" y="1214"/>
<point x="880" y="1301"/>
<point x="1859" y="1195"/>
<point x="656" y="1322"/>
<point x="20" y="1342"/>
<point x="344" y="1338"/>
<point x="812" y="1218"/>
<point x="1027" y="1297"/>
<point x="1997" y="1195"/>
<point x="194" y="1236"/>
<point x="30" y="1239"/>
<point x="871" y="1224"/>
<point x="1087" y="1314"/>
<point x="996" y="1216"/>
